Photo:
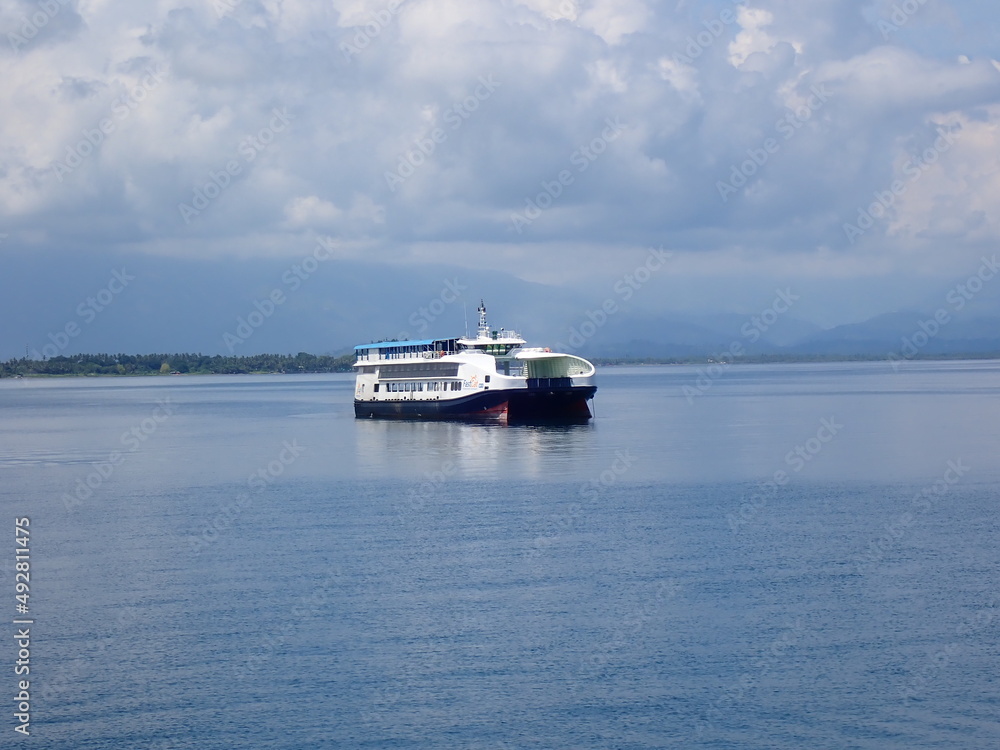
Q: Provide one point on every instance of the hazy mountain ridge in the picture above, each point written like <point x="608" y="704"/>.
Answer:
<point x="898" y="333"/>
<point x="231" y="307"/>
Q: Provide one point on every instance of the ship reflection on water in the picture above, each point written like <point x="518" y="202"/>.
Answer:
<point x="461" y="450"/>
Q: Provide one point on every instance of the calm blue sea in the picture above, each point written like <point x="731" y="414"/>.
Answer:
<point x="788" y="556"/>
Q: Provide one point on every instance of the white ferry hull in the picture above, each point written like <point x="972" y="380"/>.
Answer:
<point x="490" y="378"/>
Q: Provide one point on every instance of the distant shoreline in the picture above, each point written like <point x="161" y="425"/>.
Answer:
<point x="145" y="365"/>
<point x="790" y="359"/>
<point x="163" y="365"/>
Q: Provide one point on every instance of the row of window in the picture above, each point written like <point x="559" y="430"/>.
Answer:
<point x="434" y="385"/>
<point x="420" y="370"/>
<point x="434" y="349"/>
<point x="497" y="350"/>
<point x="372" y="355"/>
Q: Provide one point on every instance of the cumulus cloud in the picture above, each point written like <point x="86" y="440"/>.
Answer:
<point x="752" y="129"/>
<point x="953" y="198"/>
<point x="753" y="36"/>
<point x="614" y="19"/>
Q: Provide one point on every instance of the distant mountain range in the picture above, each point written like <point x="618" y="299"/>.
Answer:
<point x="228" y="307"/>
<point x="898" y="333"/>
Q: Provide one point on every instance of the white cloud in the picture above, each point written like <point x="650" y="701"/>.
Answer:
<point x="752" y="36"/>
<point x="306" y="212"/>
<point x="554" y="10"/>
<point x="682" y="77"/>
<point x="888" y="78"/>
<point x="955" y="197"/>
<point x="606" y="76"/>
<point x="614" y="19"/>
<point x="563" y="67"/>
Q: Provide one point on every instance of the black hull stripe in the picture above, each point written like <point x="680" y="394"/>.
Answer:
<point x="523" y="405"/>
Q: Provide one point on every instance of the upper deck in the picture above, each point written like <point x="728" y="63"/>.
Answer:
<point x="386" y="351"/>
<point x="498" y="343"/>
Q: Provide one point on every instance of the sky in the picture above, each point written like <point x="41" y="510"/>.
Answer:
<point x="848" y="151"/>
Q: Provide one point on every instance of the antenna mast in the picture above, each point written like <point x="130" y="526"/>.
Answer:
<point x="484" y="329"/>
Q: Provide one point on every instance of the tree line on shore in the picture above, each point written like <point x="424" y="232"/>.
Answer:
<point x="171" y="364"/>
<point x="204" y="364"/>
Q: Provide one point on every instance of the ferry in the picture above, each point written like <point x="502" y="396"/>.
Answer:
<point x="491" y="378"/>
